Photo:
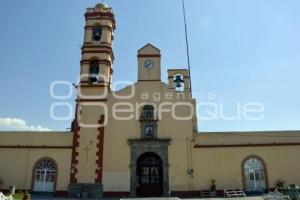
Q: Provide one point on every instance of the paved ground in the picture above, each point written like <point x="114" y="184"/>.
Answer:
<point x="171" y="198"/>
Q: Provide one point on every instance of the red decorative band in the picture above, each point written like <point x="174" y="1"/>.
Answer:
<point x="193" y="193"/>
<point x="34" y="147"/>
<point x="101" y="16"/>
<point x="149" y="55"/>
<point x="102" y="61"/>
<point x="74" y="160"/>
<point x="61" y="193"/>
<point x="103" y="27"/>
<point x="100" y="146"/>
<point x="115" y="194"/>
<point x="97" y="84"/>
<point x="92" y="86"/>
<point x="98" y="51"/>
<point x="103" y="45"/>
<point x="245" y="145"/>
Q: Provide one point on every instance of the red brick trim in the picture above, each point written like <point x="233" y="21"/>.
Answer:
<point x="108" y="44"/>
<point x="120" y="194"/>
<point x="101" y="15"/>
<point x="193" y="193"/>
<point x="246" y="145"/>
<point x="103" y="48"/>
<point x="97" y="16"/>
<point x="108" y="14"/>
<point x="107" y="62"/>
<point x="95" y="51"/>
<point x="99" y="51"/>
<point x="103" y="45"/>
<point x="74" y="159"/>
<point x="102" y="26"/>
<point x="184" y="194"/>
<point x="61" y="193"/>
<point x="89" y="83"/>
<point x="149" y="55"/>
<point x="113" y="194"/>
<point x="104" y="61"/>
<point x="100" y="146"/>
<point x="34" y="147"/>
<point x="86" y="85"/>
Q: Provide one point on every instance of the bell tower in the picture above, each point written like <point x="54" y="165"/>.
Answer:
<point x="97" y="54"/>
<point x="94" y="83"/>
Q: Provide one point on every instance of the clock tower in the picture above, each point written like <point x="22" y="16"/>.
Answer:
<point x="93" y="89"/>
<point x="149" y="63"/>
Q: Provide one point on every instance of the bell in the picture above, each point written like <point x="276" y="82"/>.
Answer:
<point x="93" y="79"/>
<point x="177" y="81"/>
<point x="178" y="85"/>
<point x="97" y="36"/>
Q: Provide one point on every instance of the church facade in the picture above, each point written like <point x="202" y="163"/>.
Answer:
<point x="141" y="140"/>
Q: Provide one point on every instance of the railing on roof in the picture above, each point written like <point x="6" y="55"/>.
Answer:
<point x="92" y="10"/>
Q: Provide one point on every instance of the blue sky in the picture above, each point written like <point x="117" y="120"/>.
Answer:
<point x="241" y="51"/>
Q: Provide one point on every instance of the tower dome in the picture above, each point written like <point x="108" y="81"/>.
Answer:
<point x="101" y="5"/>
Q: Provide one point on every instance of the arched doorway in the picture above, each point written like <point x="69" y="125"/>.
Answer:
<point x="44" y="175"/>
<point x="149" y="175"/>
<point x="254" y="174"/>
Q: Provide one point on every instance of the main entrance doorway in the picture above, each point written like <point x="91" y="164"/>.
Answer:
<point x="149" y="175"/>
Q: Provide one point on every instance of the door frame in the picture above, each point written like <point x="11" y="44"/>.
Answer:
<point x="139" y="168"/>
<point x="264" y="168"/>
<point x="34" y="170"/>
<point x="141" y="146"/>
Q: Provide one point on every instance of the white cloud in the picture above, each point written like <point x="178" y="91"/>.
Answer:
<point x="18" y="124"/>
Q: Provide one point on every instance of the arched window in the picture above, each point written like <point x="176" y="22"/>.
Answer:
<point x="45" y="171"/>
<point x="148" y="112"/>
<point x="254" y="174"/>
<point x="97" y="32"/>
<point x="94" y="71"/>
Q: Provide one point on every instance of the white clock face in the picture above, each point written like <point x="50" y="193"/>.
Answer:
<point x="148" y="64"/>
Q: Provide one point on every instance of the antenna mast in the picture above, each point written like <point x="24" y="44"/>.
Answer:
<point x="187" y="46"/>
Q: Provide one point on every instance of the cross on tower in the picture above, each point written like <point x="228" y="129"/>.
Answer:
<point x="87" y="149"/>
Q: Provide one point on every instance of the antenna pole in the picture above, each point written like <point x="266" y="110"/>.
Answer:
<point x="187" y="46"/>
